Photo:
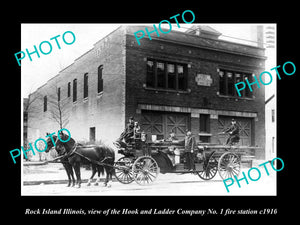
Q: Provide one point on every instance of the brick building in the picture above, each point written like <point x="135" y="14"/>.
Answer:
<point x="178" y="81"/>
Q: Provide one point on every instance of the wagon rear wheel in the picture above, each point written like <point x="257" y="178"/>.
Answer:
<point x="229" y="165"/>
<point x="145" y="170"/>
<point x="210" y="169"/>
<point x="123" y="172"/>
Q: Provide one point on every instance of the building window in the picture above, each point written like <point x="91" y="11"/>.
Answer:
<point x="230" y="83"/>
<point x="85" y="86"/>
<point x="150" y="81"/>
<point x="161" y="79"/>
<point x="246" y="92"/>
<point x="171" y="76"/>
<point x="166" y="75"/>
<point x="58" y="94"/>
<point x="222" y="89"/>
<point x="182" y="77"/>
<point x="100" y="79"/>
<point x="92" y="134"/>
<point x="69" y="89"/>
<point x="204" y="135"/>
<point x="273" y="115"/>
<point x="204" y="123"/>
<point x="74" y="90"/>
<point x="227" y="81"/>
<point x="45" y="103"/>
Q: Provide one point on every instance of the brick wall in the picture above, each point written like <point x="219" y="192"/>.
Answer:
<point x="204" y="60"/>
<point x="104" y="111"/>
<point x="124" y="76"/>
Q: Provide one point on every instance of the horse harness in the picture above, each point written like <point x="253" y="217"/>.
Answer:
<point x="73" y="151"/>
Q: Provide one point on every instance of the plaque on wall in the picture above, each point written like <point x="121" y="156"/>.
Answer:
<point x="203" y="79"/>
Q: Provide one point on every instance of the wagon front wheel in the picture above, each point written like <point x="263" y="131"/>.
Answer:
<point x="229" y="165"/>
<point x="145" y="170"/>
<point x="123" y="172"/>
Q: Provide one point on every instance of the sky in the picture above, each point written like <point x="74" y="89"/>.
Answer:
<point x="38" y="71"/>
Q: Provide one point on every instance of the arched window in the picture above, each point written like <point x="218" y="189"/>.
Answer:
<point x="74" y="90"/>
<point x="45" y="103"/>
<point x="85" y="86"/>
<point x="100" y="80"/>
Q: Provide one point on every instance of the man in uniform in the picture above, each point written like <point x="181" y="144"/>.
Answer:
<point x="234" y="133"/>
<point x="189" y="146"/>
<point x="172" y="137"/>
<point x="127" y="133"/>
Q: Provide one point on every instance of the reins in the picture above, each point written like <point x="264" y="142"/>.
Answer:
<point x="101" y="163"/>
<point x="73" y="151"/>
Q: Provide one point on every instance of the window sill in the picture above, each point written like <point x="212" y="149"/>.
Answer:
<point x="236" y="97"/>
<point x="166" y="90"/>
<point x="205" y="134"/>
<point x="85" y="99"/>
<point x="99" y="94"/>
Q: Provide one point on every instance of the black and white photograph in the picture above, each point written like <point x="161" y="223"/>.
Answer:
<point x="145" y="109"/>
<point x="127" y="114"/>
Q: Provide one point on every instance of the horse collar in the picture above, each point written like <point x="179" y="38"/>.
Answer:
<point x="73" y="149"/>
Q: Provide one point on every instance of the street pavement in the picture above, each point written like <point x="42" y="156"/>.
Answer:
<point x="50" y="180"/>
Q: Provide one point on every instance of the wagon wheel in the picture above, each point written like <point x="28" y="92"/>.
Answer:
<point x="145" y="170"/>
<point x="229" y="165"/>
<point x="210" y="169"/>
<point x="123" y="172"/>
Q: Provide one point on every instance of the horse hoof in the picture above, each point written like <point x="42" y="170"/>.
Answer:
<point x="96" y="184"/>
<point x="88" y="184"/>
<point x="108" y="184"/>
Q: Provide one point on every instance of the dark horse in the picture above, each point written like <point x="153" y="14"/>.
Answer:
<point x="74" y="154"/>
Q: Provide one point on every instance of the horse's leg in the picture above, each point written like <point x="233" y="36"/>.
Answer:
<point x="72" y="174"/>
<point x="110" y="174"/>
<point x="93" y="174"/>
<point x="98" y="178"/>
<point x="65" y="165"/>
<point x="106" y="174"/>
<point x="76" y="167"/>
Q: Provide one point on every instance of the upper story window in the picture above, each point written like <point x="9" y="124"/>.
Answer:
<point x="85" y="85"/>
<point x="227" y="80"/>
<point x="166" y="75"/>
<point x="74" y="90"/>
<point x="45" y="103"/>
<point x="100" y="79"/>
<point x="58" y="94"/>
<point x="69" y="89"/>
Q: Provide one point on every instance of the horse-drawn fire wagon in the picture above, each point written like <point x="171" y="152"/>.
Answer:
<point x="142" y="161"/>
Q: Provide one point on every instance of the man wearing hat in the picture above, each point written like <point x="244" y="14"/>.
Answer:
<point x="234" y="133"/>
<point x="189" y="147"/>
<point x="128" y="132"/>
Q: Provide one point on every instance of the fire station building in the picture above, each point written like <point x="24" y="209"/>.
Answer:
<point x="178" y="81"/>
